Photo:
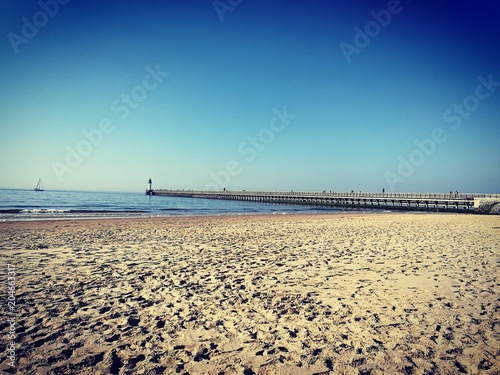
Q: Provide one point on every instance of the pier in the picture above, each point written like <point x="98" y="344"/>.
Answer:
<point x="453" y="202"/>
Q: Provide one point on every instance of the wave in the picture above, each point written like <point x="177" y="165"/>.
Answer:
<point x="10" y="211"/>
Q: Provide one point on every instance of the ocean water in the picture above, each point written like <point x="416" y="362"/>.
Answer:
<point x="33" y="205"/>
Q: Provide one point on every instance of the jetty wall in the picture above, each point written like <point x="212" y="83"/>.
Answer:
<point x="479" y="203"/>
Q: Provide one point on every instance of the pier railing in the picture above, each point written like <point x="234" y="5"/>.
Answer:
<point x="439" y="196"/>
<point x="453" y="201"/>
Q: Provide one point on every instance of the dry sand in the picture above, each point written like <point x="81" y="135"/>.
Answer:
<point x="282" y="294"/>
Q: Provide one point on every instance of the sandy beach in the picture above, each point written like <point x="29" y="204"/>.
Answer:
<point x="278" y="294"/>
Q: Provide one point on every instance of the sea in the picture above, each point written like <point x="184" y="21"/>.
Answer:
<point x="27" y="205"/>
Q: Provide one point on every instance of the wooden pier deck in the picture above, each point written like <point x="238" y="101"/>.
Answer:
<point x="402" y="201"/>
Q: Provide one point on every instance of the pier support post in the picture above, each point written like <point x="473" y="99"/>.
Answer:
<point x="393" y="200"/>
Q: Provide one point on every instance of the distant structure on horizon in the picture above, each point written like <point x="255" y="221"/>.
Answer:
<point x="39" y="186"/>
<point x="471" y="203"/>
<point x="150" y="190"/>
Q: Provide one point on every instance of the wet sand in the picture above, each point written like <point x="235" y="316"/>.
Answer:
<point x="277" y="294"/>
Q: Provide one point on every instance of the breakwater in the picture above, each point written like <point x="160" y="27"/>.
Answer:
<point x="403" y="201"/>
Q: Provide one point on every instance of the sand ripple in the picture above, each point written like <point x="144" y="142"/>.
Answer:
<point x="352" y="294"/>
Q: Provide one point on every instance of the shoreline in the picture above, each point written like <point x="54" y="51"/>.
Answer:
<point x="242" y="214"/>
<point x="168" y="217"/>
<point x="263" y="294"/>
<point x="192" y="219"/>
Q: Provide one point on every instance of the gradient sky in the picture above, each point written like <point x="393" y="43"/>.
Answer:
<point x="257" y="95"/>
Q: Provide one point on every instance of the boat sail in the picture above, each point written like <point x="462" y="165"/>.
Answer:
<point x="39" y="186"/>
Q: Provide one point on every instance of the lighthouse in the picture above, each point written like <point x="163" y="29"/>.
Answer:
<point x="150" y="190"/>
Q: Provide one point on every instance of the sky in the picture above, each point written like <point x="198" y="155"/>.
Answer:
<point x="250" y="95"/>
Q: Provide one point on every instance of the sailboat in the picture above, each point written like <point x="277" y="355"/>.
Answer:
<point x="39" y="186"/>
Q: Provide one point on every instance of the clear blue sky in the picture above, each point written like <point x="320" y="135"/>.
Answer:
<point x="257" y="95"/>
